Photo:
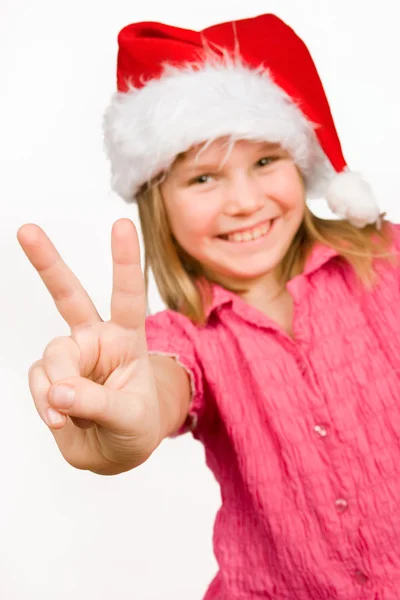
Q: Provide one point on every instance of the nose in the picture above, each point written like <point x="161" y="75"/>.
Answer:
<point x="244" y="196"/>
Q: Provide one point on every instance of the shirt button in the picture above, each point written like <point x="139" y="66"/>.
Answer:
<point x="341" y="505"/>
<point x="360" y="577"/>
<point x="321" y="430"/>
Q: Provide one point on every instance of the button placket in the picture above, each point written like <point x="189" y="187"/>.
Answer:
<point x="322" y="431"/>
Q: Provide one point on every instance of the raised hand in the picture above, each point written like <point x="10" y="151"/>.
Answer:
<point x="95" y="389"/>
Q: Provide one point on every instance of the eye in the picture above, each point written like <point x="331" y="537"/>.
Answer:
<point x="267" y="160"/>
<point x="199" y="180"/>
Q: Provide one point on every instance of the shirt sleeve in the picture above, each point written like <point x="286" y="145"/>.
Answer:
<point x="169" y="333"/>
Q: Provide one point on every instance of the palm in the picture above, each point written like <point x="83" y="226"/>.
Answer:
<point x="112" y="354"/>
<point x="114" y="357"/>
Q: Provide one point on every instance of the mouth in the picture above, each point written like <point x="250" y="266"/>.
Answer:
<point x="250" y="235"/>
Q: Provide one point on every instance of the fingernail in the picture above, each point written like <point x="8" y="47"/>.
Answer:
<point x="62" y="396"/>
<point x="54" y="417"/>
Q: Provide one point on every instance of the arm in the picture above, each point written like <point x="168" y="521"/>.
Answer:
<point x="174" y="392"/>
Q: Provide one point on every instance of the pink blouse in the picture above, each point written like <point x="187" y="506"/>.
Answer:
<point x="303" y="434"/>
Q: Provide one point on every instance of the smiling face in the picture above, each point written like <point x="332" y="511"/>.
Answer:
<point x="236" y="216"/>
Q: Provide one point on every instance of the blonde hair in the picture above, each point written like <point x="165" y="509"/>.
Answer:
<point x="177" y="274"/>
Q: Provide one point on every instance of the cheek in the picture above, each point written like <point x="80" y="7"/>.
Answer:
<point x="193" y="219"/>
<point x="287" y="187"/>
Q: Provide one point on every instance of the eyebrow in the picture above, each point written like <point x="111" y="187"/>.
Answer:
<point x="183" y="158"/>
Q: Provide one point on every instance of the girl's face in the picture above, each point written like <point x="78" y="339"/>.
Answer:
<point x="237" y="218"/>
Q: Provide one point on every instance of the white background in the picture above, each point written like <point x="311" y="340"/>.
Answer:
<point x="143" y="535"/>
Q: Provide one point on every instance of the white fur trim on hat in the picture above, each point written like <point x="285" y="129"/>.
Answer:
<point x="351" y="197"/>
<point x="146" y="128"/>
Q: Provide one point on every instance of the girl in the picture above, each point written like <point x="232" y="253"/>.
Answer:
<point x="280" y="347"/>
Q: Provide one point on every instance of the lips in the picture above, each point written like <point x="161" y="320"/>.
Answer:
<point x="250" y="233"/>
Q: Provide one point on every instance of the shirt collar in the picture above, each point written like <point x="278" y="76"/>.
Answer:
<point x="319" y="256"/>
<point x="220" y="296"/>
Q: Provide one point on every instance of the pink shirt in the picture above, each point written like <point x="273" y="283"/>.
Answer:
<point x="302" y="435"/>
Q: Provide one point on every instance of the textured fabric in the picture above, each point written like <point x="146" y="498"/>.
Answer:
<point x="303" y="434"/>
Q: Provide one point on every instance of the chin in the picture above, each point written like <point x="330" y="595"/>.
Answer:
<point x="247" y="274"/>
<point x="245" y="267"/>
<point x="252" y="269"/>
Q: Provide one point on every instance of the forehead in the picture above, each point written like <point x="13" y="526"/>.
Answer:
<point x="220" y="146"/>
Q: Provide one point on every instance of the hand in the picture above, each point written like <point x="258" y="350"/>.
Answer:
<point x="112" y="422"/>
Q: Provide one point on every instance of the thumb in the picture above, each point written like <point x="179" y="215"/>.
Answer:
<point x="84" y="399"/>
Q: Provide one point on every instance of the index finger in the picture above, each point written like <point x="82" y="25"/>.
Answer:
<point x="71" y="299"/>
<point x="128" y="301"/>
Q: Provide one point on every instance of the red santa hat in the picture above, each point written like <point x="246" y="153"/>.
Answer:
<point x="250" y="79"/>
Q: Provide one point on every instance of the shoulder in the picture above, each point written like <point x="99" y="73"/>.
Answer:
<point x="391" y="233"/>
<point x="394" y="232"/>
<point x="168" y="316"/>
<point x="387" y="266"/>
<point x="170" y="332"/>
<point x="171" y="322"/>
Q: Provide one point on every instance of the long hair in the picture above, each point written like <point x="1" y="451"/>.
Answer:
<point x="177" y="274"/>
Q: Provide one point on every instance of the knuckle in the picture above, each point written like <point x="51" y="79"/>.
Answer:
<point x="61" y="357"/>
<point x="39" y="385"/>
<point x="33" y="369"/>
<point x="54" y="347"/>
<point x="38" y="379"/>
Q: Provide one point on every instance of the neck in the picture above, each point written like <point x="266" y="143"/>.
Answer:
<point x="272" y="299"/>
<point x="266" y="289"/>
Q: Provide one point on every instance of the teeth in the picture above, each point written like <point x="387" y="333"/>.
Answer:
<point x="247" y="236"/>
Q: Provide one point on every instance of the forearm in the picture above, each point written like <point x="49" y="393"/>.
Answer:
<point x="174" y="393"/>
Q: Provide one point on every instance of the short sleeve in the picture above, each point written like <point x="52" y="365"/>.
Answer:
<point x="169" y="333"/>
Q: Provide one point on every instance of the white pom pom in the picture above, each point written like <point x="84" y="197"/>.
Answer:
<point x="351" y="197"/>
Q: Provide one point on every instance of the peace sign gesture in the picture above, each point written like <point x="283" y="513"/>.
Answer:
<point x="96" y="388"/>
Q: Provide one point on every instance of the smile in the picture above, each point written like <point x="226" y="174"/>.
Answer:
<point x="249" y="235"/>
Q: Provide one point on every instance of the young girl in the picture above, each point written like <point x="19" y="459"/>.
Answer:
<point x="280" y="347"/>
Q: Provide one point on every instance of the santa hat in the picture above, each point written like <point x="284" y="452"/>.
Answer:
<point x="250" y="79"/>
